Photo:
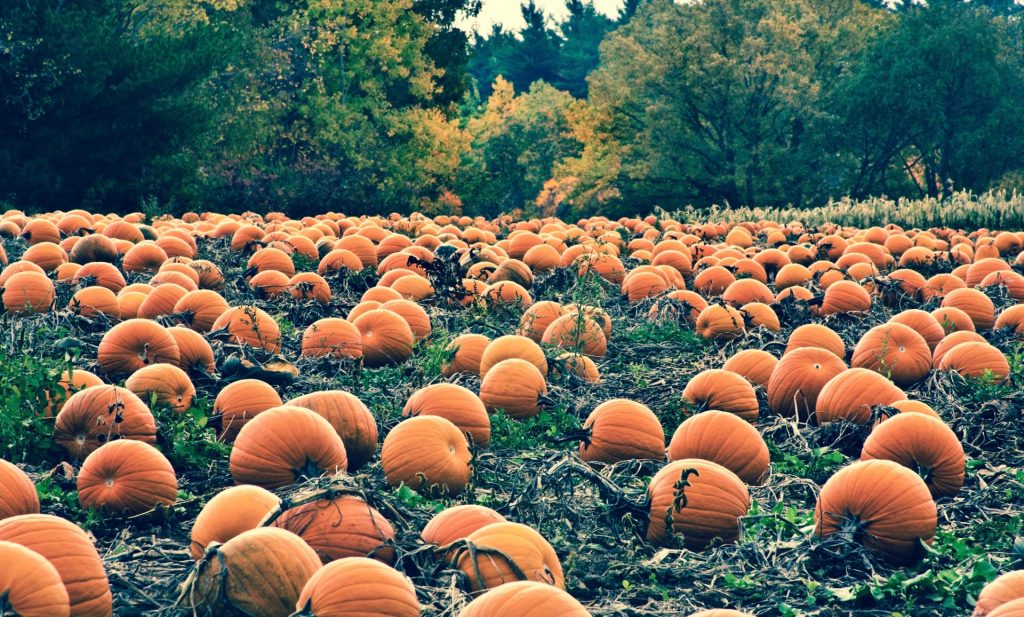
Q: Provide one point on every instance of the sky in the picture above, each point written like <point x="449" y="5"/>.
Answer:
<point x="507" y="13"/>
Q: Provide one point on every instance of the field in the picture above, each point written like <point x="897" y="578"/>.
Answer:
<point x="791" y="350"/>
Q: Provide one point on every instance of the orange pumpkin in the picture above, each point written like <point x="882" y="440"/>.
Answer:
<point x="29" y="584"/>
<point x="126" y="476"/>
<point x="524" y="598"/>
<point x="252" y="326"/>
<point x="167" y="384"/>
<point x="923" y="444"/>
<point x="358" y="586"/>
<point x="351" y="419"/>
<point x="457" y="523"/>
<point x="514" y="386"/>
<point x="501" y="551"/>
<point x="894" y="350"/>
<point x="332" y="336"/>
<point x="978" y="360"/>
<point x="135" y="343"/>
<point x="719" y="321"/>
<point x="283" y="445"/>
<point x="27" y="292"/>
<point x="429" y="453"/>
<point x="754" y="365"/>
<point x="1006" y="588"/>
<point x="621" y="430"/>
<point x="232" y="511"/>
<point x="798" y="379"/>
<point x="577" y="332"/>
<point x="816" y="335"/>
<point x="882" y="505"/>
<point x="722" y="390"/>
<point x="17" y="492"/>
<point x="697" y="503"/>
<point x="100" y="414"/>
<point x="456" y="404"/>
<point x="513" y="346"/>
<point x="722" y="438"/>
<point x="341" y="527"/>
<point x="386" y="338"/>
<point x="239" y="402"/>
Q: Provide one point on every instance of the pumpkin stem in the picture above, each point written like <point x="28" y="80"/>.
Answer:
<point x="309" y="470"/>
<point x="851" y="528"/>
<point x="581" y="435"/>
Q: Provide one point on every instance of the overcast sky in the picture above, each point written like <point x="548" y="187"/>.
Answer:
<point x="507" y="13"/>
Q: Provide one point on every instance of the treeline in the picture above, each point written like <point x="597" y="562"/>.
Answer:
<point x="369" y="106"/>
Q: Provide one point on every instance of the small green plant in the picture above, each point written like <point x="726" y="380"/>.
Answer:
<point x="186" y="440"/>
<point x="27" y="386"/>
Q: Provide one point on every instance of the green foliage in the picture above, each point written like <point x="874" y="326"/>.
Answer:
<point x="54" y="498"/>
<point x="26" y="436"/>
<point x="186" y="440"/>
<point x="547" y="427"/>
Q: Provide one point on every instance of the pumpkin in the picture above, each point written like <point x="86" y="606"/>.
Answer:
<point x="506" y="296"/>
<point x="923" y="444"/>
<point x="754" y="365"/>
<point x="101" y="414"/>
<point x="722" y="390"/>
<point x="95" y="301"/>
<point x="697" y="502"/>
<point x="1005" y="588"/>
<point x="577" y="365"/>
<point x="340" y="527"/>
<point x="880" y="504"/>
<point x="719" y="322"/>
<point x="135" y="343"/>
<point x="1013" y="608"/>
<point x="71" y="553"/>
<point x="252" y="326"/>
<point x="923" y="323"/>
<point x="853" y="394"/>
<point x="201" y="308"/>
<point x="816" y="335"/>
<point x="29" y="584"/>
<point x="977" y="360"/>
<point x="975" y="304"/>
<point x="953" y="319"/>
<point x="513" y="346"/>
<point x="126" y="476"/>
<point x="894" y="350"/>
<point x="537" y="318"/>
<point x="332" y="336"/>
<point x="71" y="381"/>
<point x="283" y="445"/>
<point x="27" y="292"/>
<point x="456" y="404"/>
<point x="232" y="511"/>
<point x="239" y="402"/>
<point x="514" y="386"/>
<point x="844" y="297"/>
<point x="161" y="301"/>
<point x="747" y="291"/>
<point x="621" y="430"/>
<point x="951" y="340"/>
<point x="413" y="314"/>
<point x="722" y="438"/>
<point x="358" y="586"/>
<point x="457" y="523"/>
<point x="713" y="281"/>
<point x="258" y="572"/>
<point x="759" y="315"/>
<point x="798" y="379"/>
<point x="505" y="552"/>
<point x="524" y="598"/>
<point x="351" y="419"/>
<point x="167" y="384"/>
<point x="17" y="492"/>
<point x="577" y="332"/>
<point x="386" y="338"/>
<point x="429" y="453"/>
<point x="309" y="286"/>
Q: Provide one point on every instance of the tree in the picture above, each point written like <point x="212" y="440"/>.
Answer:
<point x="581" y="33"/>
<point x="448" y="47"/>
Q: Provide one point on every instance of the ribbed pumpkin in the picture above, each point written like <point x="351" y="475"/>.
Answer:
<point x="283" y="445"/>
<point x="696" y="503"/>
<point x="464" y="354"/>
<point x="513" y="346"/>
<point x="358" y="586"/>
<point x="428" y="453"/>
<point x="524" y="598"/>
<point x="339" y="527"/>
<point x="456" y="404"/>
<point x="29" y="584"/>
<point x="239" y="402"/>
<point x="755" y="365"/>
<point x="722" y="390"/>
<point x="350" y="418"/>
<point x="719" y="321"/>
<point x="17" y="492"/>
<point x="258" y="572"/>
<point x="537" y="318"/>
<point x="71" y="381"/>
<point x="99" y="415"/>
<point x="1013" y="608"/>
<point x="798" y="379"/>
<point x="894" y="350"/>
<point x="506" y="296"/>
<point x="458" y="522"/>
<point x="386" y="338"/>
<point x="975" y="303"/>
<point x="168" y="384"/>
<point x="27" y="292"/>
<point x="332" y="336"/>
<point x="194" y="352"/>
<point x="577" y="365"/>
<point x="232" y="511"/>
<point x="816" y="335"/>
<point x="880" y="504"/>
<point x="977" y="360"/>
<point x="577" y="332"/>
<point x="923" y="444"/>
<point x="161" y="301"/>
<point x="722" y="438"/>
<point x="201" y="308"/>
<point x="951" y="340"/>
<point x="71" y="553"/>
<point x="503" y="551"/>
<point x="622" y="430"/>
<point x="515" y="387"/>
<point x="844" y="297"/>
<point x="953" y="319"/>
<point x="1007" y="587"/>
<point x="126" y="476"/>
<point x="135" y="343"/>
<point x="252" y="326"/>
<point x="923" y="323"/>
<point x="852" y="395"/>
<point x="95" y="301"/>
